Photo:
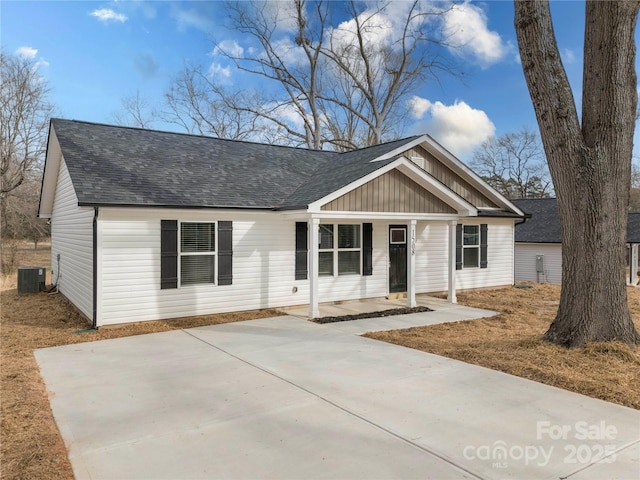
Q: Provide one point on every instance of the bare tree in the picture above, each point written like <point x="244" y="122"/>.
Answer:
<point x="379" y="64"/>
<point x="292" y="63"/>
<point x="196" y="103"/>
<point x="514" y="164"/>
<point x="634" y="193"/>
<point x="24" y="118"/>
<point x="135" y="111"/>
<point x="325" y="86"/>
<point x="590" y="162"/>
<point x="20" y="216"/>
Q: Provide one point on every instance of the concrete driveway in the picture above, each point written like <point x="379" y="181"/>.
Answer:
<point x="284" y="398"/>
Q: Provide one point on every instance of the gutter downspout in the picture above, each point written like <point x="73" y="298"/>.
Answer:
<point x="94" y="320"/>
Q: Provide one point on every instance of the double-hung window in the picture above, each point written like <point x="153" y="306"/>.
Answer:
<point x="197" y="253"/>
<point x="340" y="253"/>
<point x="471" y="246"/>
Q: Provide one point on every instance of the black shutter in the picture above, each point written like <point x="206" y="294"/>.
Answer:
<point x="225" y="253"/>
<point x="302" y="251"/>
<point x="459" y="247"/>
<point x="367" y="249"/>
<point x="168" y="254"/>
<point x="483" y="245"/>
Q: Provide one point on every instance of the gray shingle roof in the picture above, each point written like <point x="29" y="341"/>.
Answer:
<point x="112" y="165"/>
<point x="544" y="224"/>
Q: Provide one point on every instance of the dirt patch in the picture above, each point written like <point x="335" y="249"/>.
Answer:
<point x="383" y="313"/>
<point x="512" y="343"/>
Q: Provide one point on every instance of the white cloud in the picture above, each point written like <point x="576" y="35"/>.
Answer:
<point x="27" y="52"/>
<point x="289" y="52"/>
<point x="192" y="18"/>
<point x="287" y="113"/>
<point x="568" y="56"/>
<point x="230" y="47"/>
<point x="459" y="127"/>
<point x="283" y="15"/>
<point x="30" y="53"/>
<point x="377" y="30"/>
<point x="107" y="15"/>
<point x="218" y="71"/>
<point x="419" y="106"/>
<point x="465" y="29"/>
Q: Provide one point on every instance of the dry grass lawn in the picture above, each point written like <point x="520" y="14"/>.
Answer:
<point x="32" y="448"/>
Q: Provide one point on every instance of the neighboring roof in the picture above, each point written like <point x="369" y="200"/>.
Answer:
<point x="114" y="165"/>
<point x="633" y="228"/>
<point x="544" y="224"/>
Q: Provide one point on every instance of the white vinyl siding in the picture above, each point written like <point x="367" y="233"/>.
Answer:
<point x="264" y="265"/>
<point x="263" y="268"/>
<point x="525" y="262"/>
<point x="432" y="240"/>
<point x="499" y="269"/>
<point x="72" y="238"/>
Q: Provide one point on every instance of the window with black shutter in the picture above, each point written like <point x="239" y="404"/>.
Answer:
<point x="168" y="254"/>
<point x="199" y="249"/>
<point x="225" y="253"/>
<point x="302" y="250"/>
<point x="367" y="249"/>
<point x="471" y="246"/>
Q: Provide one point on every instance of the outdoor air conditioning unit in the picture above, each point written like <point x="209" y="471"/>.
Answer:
<point x="31" y="279"/>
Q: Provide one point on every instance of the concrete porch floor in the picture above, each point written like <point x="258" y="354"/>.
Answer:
<point x="355" y="307"/>
<point x="442" y="311"/>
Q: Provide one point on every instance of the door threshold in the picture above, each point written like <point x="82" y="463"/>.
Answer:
<point x="396" y="296"/>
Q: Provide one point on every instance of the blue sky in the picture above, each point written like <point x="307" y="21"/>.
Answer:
<point x="93" y="53"/>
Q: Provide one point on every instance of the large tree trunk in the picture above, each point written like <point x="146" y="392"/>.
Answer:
<point x="590" y="163"/>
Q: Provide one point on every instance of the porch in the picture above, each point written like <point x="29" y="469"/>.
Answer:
<point x="442" y="311"/>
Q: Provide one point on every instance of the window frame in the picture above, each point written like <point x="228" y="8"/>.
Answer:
<point x="466" y="247"/>
<point x="335" y="250"/>
<point x="193" y="254"/>
<point x="404" y="236"/>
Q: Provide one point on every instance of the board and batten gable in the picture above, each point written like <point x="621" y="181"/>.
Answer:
<point x="72" y="239"/>
<point x="390" y="192"/>
<point x="451" y="179"/>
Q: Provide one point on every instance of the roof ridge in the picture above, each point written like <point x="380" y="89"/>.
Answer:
<point x="405" y="139"/>
<point x="185" y="134"/>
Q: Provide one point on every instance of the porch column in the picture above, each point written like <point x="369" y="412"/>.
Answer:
<point x="451" y="296"/>
<point x="314" y="227"/>
<point x="411" y="266"/>
<point x="633" y="264"/>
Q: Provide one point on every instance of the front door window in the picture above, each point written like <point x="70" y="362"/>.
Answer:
<point x="397" y="258"/>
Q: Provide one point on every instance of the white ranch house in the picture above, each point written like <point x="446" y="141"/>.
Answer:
<point x="153" y="225"/>
<point x="538" y="248"/>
